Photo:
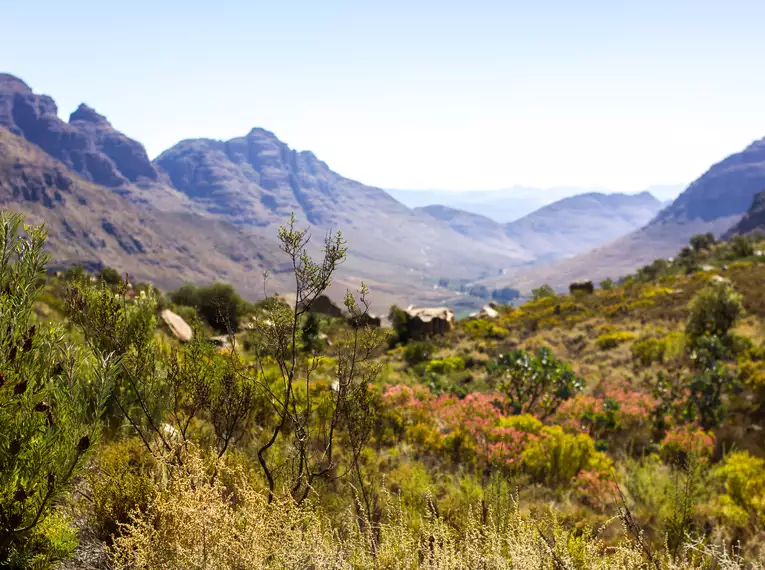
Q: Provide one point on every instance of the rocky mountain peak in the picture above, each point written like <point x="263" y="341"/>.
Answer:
<point x="88" y="144"/>
<point x="12" y="84"/>
<point x="87" y="114"/>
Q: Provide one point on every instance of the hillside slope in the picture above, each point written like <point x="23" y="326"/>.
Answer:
<point x="579" y="223"/>
<point x="753" y="220"/>
<point x="89" y="224"/>
<point x="713" y="203"/>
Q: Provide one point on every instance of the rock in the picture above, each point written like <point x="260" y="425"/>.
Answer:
<point x="180" y="328"/>
<point x="325" y="306"/>
<point x="427" y="321"/>
<point x="367" y="320"/>
<point x="581" y="287"/>
<point x="223" y="342"/>
<point x="487" y="312"/>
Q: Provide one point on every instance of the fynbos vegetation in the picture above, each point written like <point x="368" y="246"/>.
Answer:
<point x="614" y="429"/>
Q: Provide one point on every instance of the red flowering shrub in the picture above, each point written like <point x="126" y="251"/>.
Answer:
<point x="621" y="414"/>
<point x="507" y="447"/>
<point x="683" y="441"/>
<point x="595" y="488"/>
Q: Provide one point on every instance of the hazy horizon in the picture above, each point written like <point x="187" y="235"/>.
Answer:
<point x="453" y="96"/>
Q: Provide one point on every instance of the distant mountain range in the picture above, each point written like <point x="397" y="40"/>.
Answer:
<point x="563" y="228"/>
<point x="208" y="210"/>
<point x="512" y="203"/>
<point x="715" y="202"/>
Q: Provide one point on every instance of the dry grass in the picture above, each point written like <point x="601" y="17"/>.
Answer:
<point x="198" y="523"/>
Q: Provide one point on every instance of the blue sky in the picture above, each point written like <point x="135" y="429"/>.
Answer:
<point x="418" y="93"/>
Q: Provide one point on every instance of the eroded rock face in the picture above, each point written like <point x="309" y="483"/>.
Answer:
<point x="88" y="144"/>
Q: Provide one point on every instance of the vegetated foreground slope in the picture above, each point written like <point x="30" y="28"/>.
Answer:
<point x="713" y="203"/>
<point x="621" y="428"/>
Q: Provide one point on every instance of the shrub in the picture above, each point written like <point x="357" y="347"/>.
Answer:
<point x="702" y="241"/>
<point x="110" y="276"/>
<point x="535" y="383"/>
<point x="714" y="310"/>
<point x="742" y="246"/>
<point x="542" y="292"/>
<point x="556" y="457"/>
<point x="121" y="485"/>
<point x="418" y="352"/>
<point x="649" y="350"/>
<point x="49" y="407"/>
<point x="218" y="304"/>
<point x="743" y="479"/>
<point x="611" y="340"/>
<point x="607" y="284"/>
<point x="480" y="329"/>
<point x="445" y="365"/>
<point x="681" y="442"/>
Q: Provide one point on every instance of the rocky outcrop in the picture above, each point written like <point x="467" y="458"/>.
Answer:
<point x="88" y="144"/>
<point x="583" y="287"/>
<point x="426" y="321"/>
<point x="753" y="221"/>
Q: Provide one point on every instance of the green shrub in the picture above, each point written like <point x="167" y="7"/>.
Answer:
<point x="110" y="276"/>
<point x="535" y="383"/>
<point x="445" y="365"/>
<point x="120" y="481"/>
<point x="607" y="284"/>
<point x="743" y="480"/>
<point x="556" y="457"/>
<point x="481" y="329"/>
<point x="50" y="401"/>
<point x="714" y="310"/>
<point x="542" y="292"/>
<point x="611" y="340"/>
<point x="418" y="352"/>
<point x="219" y="304"/>
<point x="702" y="241"/>
<point x="742" y="246"/>
<point x="649" y="350"/>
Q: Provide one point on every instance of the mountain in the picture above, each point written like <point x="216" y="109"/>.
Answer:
<point x="566" y="227"/>
<point x="512" y="203"/>
<point x="753" y="220"/>
<point x="257" y="181"/>
<point x="91" y="225"/>
<point x="207" y="209"/>
<point x="502" y="206"/>
<point x="579" y="223"/>
<point x="714" y="202"/>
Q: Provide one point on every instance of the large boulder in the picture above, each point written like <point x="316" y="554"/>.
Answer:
<point x="178" y="327"/>
<point x="426" y="321"/>
<point x="581" y="287"/>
